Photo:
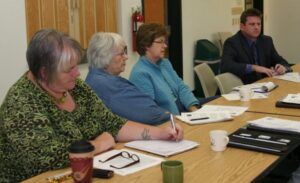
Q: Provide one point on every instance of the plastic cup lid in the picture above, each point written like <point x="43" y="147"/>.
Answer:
<point x="81" y="146"/>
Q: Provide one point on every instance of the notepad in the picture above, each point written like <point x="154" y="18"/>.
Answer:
<point x="161" y="147"/>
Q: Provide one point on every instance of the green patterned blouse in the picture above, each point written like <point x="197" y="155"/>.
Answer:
<point x="35" y="133"/>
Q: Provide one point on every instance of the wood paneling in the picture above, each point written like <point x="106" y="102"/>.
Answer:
<point x="48" y="13"/>
<point x="110" y="16"/>
<point x="62" y="15"/>
<point x="100" y="14"/>
<point x="91" y="16"/>
<point x="33" y="22"/>
<point x="155" y="11"/>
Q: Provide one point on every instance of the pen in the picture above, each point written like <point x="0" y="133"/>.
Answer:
<point x="196" y="119"/>
<point x="172" y="122"/>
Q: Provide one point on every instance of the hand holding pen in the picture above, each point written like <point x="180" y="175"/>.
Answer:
<point x="177" y="131"/>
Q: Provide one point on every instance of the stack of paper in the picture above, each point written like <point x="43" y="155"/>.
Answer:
<point x="194" y="118"/>
<point x="290" y="76"/>
<point x="146" y="161"/>
<point x="276" y="124"/>
<point x="163" y="148"/>
<point x="234" y="95"/>
<point x="258" y="87"/>
<point x="211" y="114"/>
<point x="233" y="110"/>
<point x="292" y="99"/>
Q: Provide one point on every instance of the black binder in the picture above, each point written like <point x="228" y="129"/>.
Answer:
<point x="287" y="105"/>
<point x="262" y="141"/>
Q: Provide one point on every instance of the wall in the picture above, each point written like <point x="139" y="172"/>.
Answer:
<point x="124" y="29"/>
<point x="13" y="43"/>
<point x="284" y="27"/>
<point x="202" y="19"/>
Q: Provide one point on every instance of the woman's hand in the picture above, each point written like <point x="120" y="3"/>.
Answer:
<point x="172" y="134"/>
<point x="103" y="142"/>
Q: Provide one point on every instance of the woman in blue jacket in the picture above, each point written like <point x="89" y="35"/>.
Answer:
<point x="154" y="74"/>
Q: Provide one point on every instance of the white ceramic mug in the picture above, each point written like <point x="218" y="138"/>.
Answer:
<point x="245" y="94"/>
<point x="218" y="139"/>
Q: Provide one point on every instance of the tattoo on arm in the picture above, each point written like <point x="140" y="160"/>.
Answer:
<point x="146" y="134"/>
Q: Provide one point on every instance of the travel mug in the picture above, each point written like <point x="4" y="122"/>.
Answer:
<point x="81" y="159"/>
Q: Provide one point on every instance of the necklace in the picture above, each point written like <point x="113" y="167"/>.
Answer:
<point x="60" y="100"/>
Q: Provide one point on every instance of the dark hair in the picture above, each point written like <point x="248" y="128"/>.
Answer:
<point x="146" y="34"/>
<point x="252" y="12"/>
<point x="51" y="50"/>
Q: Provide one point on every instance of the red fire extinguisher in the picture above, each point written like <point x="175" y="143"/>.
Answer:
<point x="137" y="20"/>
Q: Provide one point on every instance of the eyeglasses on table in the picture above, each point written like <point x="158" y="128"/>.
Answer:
<point x="126" y="155"/>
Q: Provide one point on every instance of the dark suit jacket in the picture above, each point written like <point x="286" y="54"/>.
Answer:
<point x="237" y="54"/>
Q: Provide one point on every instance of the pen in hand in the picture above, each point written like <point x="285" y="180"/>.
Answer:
<point x="173" y="123"/>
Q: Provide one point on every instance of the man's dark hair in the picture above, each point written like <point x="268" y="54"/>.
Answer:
<point x="252" y="12"/>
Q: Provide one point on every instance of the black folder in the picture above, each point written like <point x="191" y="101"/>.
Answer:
<point x="263" y="141"/>
<point x="287" y="105"/>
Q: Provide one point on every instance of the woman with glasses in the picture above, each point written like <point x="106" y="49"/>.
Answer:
<point x="154" y="74"/>
<point x="107" y="58"/>
<point x="48" y="108"/>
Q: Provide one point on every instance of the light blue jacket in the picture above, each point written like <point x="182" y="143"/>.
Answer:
<point x="162" y="83"/>
<point x="125" y="99"/>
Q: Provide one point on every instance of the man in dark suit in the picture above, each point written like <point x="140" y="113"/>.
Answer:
<point x="250" y="55"/>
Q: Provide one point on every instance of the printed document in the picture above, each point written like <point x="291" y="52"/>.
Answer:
<point x="258" y="87"/>
<point x="290" y="76"/>
<point x="194" y="118"/>
<point x="161" y="147"/>
<point x="292" y="99"/>
<point x="146" y="161"/>
<point x="234" y="95"/>
<point x="233" y="110"/>
<point x="277" y="124"/>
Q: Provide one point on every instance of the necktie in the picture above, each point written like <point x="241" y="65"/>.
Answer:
<point x="254" y="52"/>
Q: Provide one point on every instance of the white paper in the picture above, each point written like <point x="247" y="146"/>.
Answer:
<point x="236" y="96"/>
<point x="292" y="99"/>
<point x="277" y="123"/>
<point x="161" y="147"/>
<point x="258" y="87"/>
<point x="197" y="117"/>
<point x="233" y="110"/>
<point x="290" y="76"/>
<point x="252" y="86"/>
<point x="146" y="161"/>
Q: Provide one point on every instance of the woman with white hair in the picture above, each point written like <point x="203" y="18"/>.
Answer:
<point x="107" y="56"/>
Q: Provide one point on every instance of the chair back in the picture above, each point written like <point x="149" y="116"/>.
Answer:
<point x="223" y="36"/>
<point x="227" y="81"/>
<point x="207" y="79"/>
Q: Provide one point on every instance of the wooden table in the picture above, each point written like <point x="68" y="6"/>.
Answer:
<point x="202" y="164"/>
<point x="268" y="105"/>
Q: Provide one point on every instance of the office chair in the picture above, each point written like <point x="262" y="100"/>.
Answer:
<point x="223" y="36"/>
<point x="227" y="81"/>
<point x="207" y="79"/>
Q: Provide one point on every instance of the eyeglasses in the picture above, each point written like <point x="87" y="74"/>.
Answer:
<point x="161" y="42"/>
<point x="122" y="53"/>
<point x="126" y="155"/>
